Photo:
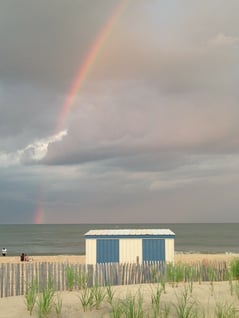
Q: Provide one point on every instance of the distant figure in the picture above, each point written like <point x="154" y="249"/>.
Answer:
<point x="24" y="258"/>
<point x="4" y="251"/>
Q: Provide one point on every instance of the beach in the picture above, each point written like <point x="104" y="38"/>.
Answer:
<point x="80" y="259"/>
<point x="203" y="299"/>
<point x="204" y="296"/>
<point x="189" y="258"/>
<point x="72" y="259"/>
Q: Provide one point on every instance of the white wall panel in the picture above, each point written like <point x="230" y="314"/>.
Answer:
<point x="90" y="251"/>
<point x="130" y="250"/>
<point x="169" y="250"/>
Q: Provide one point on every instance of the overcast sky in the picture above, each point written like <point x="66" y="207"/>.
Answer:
<point x="153" y="134"/>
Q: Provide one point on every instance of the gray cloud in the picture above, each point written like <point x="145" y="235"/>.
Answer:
<point x="147" y="123"/>
<point x="44" y="42"/>
<point x="154" y="126"/>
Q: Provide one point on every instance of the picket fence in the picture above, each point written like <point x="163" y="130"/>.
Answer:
<point x="14" y="278"/>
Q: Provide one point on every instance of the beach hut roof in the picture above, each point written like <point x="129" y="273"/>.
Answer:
<point x="129" y="232"/>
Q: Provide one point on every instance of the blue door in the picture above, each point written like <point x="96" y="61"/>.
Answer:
<point x="153" y="250"/>
<point x="107" y="251"/>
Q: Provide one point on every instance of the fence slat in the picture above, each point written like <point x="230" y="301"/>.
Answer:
<point x="15" y="277"/>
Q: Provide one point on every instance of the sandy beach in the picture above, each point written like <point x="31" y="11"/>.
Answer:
<point x="73" y="259"/>
<point x="204" y="300"/>
<point x="204" y="297"/>
<point x="195" y="258"/>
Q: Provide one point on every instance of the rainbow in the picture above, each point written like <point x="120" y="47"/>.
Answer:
<point x="38" y="217"/>
<point x="88" y="62"/>
<point x="79" y="79"/>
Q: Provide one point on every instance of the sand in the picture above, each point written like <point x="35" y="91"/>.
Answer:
<point x="205" y="297"/>
<point x="73" y="259"/>
<point x="195" y="258"/>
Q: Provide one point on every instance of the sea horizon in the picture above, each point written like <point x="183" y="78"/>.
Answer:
<point x="68" y="239"/>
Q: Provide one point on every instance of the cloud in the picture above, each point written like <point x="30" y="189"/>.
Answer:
<point x="27" y="112"/>
<point x="32" y="153"/>
<point x="44" y="45"/>
<point x="145" y="123"/>
<point x="153" y="128"/>
<point x="222" y="40"/>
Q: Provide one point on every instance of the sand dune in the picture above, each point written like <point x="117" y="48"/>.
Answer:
<point x="205" y="298"/>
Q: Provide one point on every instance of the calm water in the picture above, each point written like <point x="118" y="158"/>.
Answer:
<point x="48" y="239"/>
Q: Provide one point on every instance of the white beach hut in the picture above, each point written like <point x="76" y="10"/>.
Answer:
<point x="129" y="246"/>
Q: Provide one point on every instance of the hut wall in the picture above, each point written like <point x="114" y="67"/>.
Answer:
<point x="130" y="250"/>
<point x="169" y="250"/>
<point x="91" y="251"/>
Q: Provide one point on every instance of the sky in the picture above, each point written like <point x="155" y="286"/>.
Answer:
<point x="151" y="131"/>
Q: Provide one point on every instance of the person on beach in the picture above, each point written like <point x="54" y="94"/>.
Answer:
<point x="24" y="258"/>
<point x="4" y="251"/>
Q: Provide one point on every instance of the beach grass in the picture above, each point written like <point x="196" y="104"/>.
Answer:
<point x="185" y="305"/>
<point x="31" y="295"/>
<point x="178" y="302"/>
<point x="58" y="304"/>
<point x="45" y="300"/>
<point x="153" y="300"/>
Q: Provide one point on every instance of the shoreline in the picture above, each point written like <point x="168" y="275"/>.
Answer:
<point x="180" y="257"/>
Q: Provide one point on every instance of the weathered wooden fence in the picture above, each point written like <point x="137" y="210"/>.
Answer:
<point x="14" y="278"/>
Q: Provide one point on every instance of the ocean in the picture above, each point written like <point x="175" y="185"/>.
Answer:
<point x="61" y="239"/>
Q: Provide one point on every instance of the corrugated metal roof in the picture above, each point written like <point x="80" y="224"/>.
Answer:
<point x="130" y="232"/>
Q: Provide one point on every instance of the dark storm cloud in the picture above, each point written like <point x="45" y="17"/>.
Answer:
<point x="186" y="86"/>
<point x="27" y="114"/>
<point x="42" y="47"/>
<point x="18" y="194"/>
<point x="43" y="42"/>
<point x="106" y="128"/>
<point x="154" y="126"/>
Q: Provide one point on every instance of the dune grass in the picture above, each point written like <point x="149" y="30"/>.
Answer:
<point x="31" y="295"/>
<point x="141" y="304"/>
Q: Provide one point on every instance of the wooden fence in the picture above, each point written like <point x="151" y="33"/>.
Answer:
<point x="14" y="278"/>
